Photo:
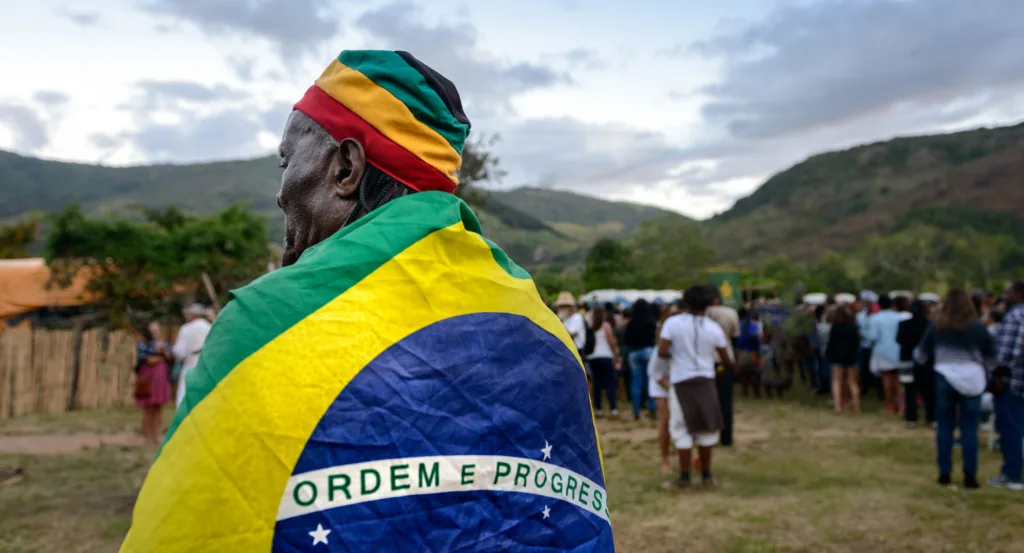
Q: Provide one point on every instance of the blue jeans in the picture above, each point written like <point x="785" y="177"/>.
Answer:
<point x="638" y="360"/>
<point x="952" y="409"/>
<point x="1010" y="424"/>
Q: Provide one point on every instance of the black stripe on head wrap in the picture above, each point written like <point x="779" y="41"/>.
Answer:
<point x="442" y="86"/>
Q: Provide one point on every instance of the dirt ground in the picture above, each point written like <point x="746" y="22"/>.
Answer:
<point x="799" y="479"/>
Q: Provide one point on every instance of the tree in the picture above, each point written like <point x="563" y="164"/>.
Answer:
<point x="975" y="258"/>
<point x="830" y="275"/>
<point x="479" y="165"/>
<point x="906" y="260"/>
<point x="154" y="265"/>
<point x="780" y="269"/>
<point x="550" y="283"/>
<point x="609" y="264"/>
<point x="16" y="239"/>
<point x="670" y="252"/>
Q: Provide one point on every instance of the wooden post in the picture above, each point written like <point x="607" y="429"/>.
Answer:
<point x="77" y="326"/>
<point x="211" y="292"/>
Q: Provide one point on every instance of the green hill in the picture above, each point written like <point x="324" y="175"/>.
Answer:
<point x="571" y="212"/>
<point x="831" y="201"/>
<point x="532" y="225"/>
<point x="837" y="199"/>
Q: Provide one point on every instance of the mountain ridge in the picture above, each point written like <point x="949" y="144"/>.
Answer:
<point x="29" y="184"/>
<point x="830" y="201"/>
<point x="833" y="200"/>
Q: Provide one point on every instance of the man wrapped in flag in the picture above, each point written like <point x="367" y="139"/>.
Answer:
<point x="399" y="385"/>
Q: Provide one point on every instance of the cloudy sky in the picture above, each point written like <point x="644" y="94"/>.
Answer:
<point x="686" y="104"/>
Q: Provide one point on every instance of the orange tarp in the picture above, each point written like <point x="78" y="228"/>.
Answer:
<point x="23" y="288"/>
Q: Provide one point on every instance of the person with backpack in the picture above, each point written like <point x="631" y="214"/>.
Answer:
<point x="604" y="361"/>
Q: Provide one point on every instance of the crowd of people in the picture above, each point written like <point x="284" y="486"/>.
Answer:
<point x="958" y="359"/>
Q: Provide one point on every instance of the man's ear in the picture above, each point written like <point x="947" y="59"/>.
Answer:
<point x="347" y="168"/>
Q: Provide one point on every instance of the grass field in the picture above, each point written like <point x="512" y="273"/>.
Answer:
<point x="799" y="479"/>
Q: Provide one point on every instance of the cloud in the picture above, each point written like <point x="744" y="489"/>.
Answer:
<point x="104" y="141"/>
<point x="243" y="68"/>
<point x="29" y="130"/>
<point x="829" y="62"/>
<point x="293" y="26"/>
<point x="226" y="134"/>
<point x="485" y="84"/>
<point x="176" y="95"/>
<point x="50" y="98"/>
<point x="84" y="19"/>
<point x="832" y="74"/>
<point x="274" y="118"/>
<point x="581" y="58"/>
<point x="186" y="121"/>
<point x="190" y="91"/>
<point x="595" y="159"/>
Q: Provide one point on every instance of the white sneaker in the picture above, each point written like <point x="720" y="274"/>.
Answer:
<point x="1002" y="482"/>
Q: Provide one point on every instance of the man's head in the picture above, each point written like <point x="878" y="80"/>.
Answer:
<point x="885" y="302"/>
<point x="193" y="312"/>
<point x="1015" y="292"/>
<point x="377" y="125"/>
<point x="322" y="183"/>
<point x="698" y="298"/>
<point x="565" y="305"/>
<point x="716" y="295"/>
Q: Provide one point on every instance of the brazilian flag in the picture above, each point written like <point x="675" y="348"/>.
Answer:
<point x="401" y="388"/>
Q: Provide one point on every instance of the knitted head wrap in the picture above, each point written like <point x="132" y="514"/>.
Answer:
<point x="408" y="117"/>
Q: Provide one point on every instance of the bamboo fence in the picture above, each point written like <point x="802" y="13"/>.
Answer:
<point x="53" y="371"/>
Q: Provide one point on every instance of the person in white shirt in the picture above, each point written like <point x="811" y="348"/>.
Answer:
<point x="690" y="341"/>
<point x="189" y="343"/>
<point x="565" y="306"/>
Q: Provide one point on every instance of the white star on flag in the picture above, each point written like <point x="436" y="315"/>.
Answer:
<point x="319" y="535"/>
<point x="547" y="512"/>
<point x="546" y="451"/>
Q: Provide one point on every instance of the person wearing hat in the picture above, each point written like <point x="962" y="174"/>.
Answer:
<point x="565" y="306"/>
<point x="190" y="340"/>
<point x="398" y="384"/>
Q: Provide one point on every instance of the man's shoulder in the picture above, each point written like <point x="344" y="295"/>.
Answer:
<point x="674" y="321"/>
<point x="723" y="314"/>
<point x="717" y="327"/>
<point x="193" y="326"/>
<point x="1015" y="315"/>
